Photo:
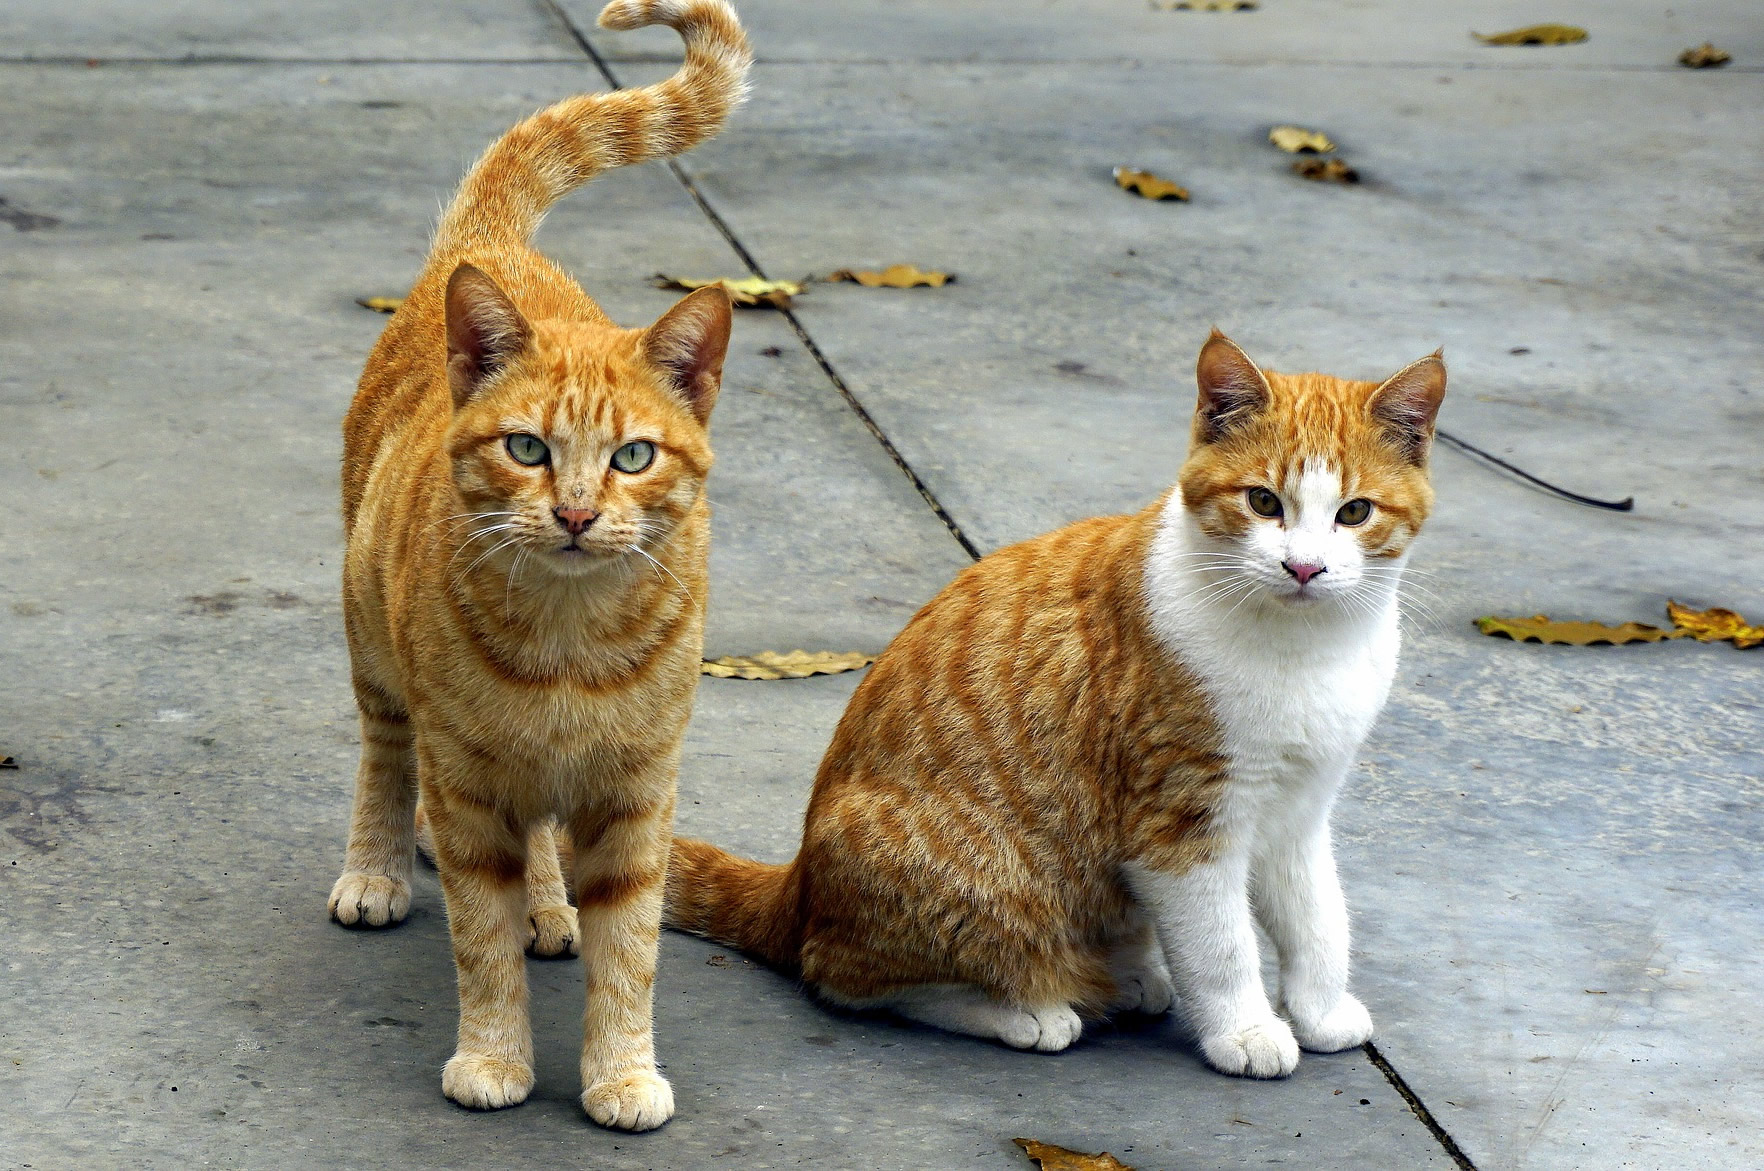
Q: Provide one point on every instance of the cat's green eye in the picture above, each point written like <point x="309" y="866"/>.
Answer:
<point x="528" y="449"/>
<point x="1354" y="512"/>
<point x="634" y="456"/>
<point x="1264" y="503"/>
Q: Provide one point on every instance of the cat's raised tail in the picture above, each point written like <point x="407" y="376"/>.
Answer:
<point x="750" y="905"/>
<point x="542" y="159"/>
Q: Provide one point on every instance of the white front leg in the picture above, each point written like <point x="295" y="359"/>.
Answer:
<point x="1203" y="921"/>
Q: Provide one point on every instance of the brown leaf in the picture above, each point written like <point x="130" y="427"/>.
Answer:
<point x="789" y="665"/>
<point x="1536" y="34"/>
<point x="8" y="762"/>
<point x="1704" y="56"/>
<point x="1715" y="625"/>
<point x="380" y="304"/>
<point x="1204" y="5"/>
<point x="1051" y="1158"/>
<point x="1146" y="184"/>
<point x="750" y="292"/>
<point x="1298" y="140"/>
<point x="1326" y="171"/>
<point x="1538" y="628"/>
<point x="895" y="276"/>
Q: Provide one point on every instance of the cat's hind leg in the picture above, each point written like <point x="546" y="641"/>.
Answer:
<point x="960" y="1008"/>
<point x="1142" y="979"/>
<point x="551" y="921"/>
<point x="374" y="888"/>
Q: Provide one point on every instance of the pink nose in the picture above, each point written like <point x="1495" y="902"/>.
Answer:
<point x="576" y="520"/>
<point x="1303" y="572"/>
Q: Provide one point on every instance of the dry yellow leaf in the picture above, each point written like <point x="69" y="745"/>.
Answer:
<point x="789" y="665"/>
<point x="745" y="292"/>
<point x="1297" y="140"/>
<point x="1326" y="171"/>
<point x="1538" y="628"/>
<point x="1204" y="5"/>
<point x="1148" y="185"/>
<point x="895" y="276"/>
<point x="1536" y="34"/>
<point x="1716" y="625"/>
<point x="1051" y="1158"/>
<point x="1704" y="56"/>
<point x="380" y="304"/>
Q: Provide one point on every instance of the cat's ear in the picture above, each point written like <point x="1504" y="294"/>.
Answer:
<point x="1408" y="403"/>
<point x="484" y="330"/>
<point x="1231" y="387"/>
<point x="687" y="345"/>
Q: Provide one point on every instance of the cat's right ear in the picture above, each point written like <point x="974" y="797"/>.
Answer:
<point x="1232" y="388"/>
<point x="484" y="330"/>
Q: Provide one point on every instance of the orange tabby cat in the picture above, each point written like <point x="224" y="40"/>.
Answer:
<point x="1090" y="763"/>
<point x="523" y="488"/>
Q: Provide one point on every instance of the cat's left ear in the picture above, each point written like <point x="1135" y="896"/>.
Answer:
<point x="1408" y="403"/>
<point x="688" y="344"/>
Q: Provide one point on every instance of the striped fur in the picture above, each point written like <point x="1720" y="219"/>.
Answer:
<point x="525" y="636"/>
<point x="1064" y="782"/>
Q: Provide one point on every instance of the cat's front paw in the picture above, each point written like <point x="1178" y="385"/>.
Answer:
<point x="369" y="900"/>
<point x="1264" y="1048"/>
<point x="551" y="932"/>
<point x="637" y="1101"/>
<point x="1345" y="1026"/>
<point x="1046" y="1030"/>
<point x="482" y="1082"/>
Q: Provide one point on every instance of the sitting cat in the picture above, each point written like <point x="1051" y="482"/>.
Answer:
<point x="1097" y="757"/>
<point x="523" y="491"/>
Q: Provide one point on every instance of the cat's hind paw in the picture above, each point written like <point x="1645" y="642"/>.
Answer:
<point x="1147" y="991"/>
<point x="638" y="1101"/>
<point x="369" y="900"/>
<point x="1345" y="1026"/>
<point x="480" y="1082"/>
<point x="1046" y="1030"/>
<point x="1263" y="1048"/>
<point x="551" y="932"/>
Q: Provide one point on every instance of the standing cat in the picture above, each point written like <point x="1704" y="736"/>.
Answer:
<point x="523" y="489"/>
<point x="1097" y="757"/>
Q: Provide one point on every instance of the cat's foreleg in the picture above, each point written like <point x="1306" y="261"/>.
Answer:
<point x="621" y="864"/>
<point x="374" y="888"/>
<point x="1203" y="919"/>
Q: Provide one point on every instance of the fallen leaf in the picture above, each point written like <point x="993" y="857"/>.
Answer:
<point x="1148" y="185"/>
<point x="895" y="276"/>
<point x="789" y="665"/>
<point x="1536" y="34"/>
<point x="380" y="304"/>
<point x="1204" y="5"/>
<point x="1538" y="628"/>
<point x="1704" y="56"/>
<point x="1326" y="171"/>
<point x="1051" y="1158"/>
<point x="1296" y="140"/>
<point x="1715" y="625"/>
<point x="8" y="762"/>
<point x="746" y="292"/>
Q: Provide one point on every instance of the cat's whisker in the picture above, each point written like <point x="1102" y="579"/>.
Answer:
<point x="640" y="550"/>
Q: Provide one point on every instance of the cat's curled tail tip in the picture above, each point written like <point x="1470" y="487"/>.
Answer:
<point x="623" y="15"/>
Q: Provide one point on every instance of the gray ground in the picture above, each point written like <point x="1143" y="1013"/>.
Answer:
<point x="1551" y="851"/>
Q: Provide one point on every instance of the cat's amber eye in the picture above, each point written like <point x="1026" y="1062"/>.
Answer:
<point x="634" y="456"/>
<point x="1354" y="512"/>
<point x="528" y="449"/>
<point x="1264" y="503"/>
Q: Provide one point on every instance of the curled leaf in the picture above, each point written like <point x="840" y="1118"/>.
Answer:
<point x="1297" y="140"/>
<point x="1715" y="625"/>
<point x="380" y="304"/>
<point x="1536" y="34"/>
<point x="895" y="276"/>
<point x="1148" y="185"/>
<point x="1051" y="1158"/>
<point x="1704" y="56"/>
<point x="789" y="665"/>
<point x="1538" y="628"/>
<point x="745" y="292"/>
<point x="1326" y="171"/>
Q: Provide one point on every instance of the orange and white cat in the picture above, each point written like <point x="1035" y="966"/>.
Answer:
<point x="524" y="586"/>
<point x="1082" y="772"/>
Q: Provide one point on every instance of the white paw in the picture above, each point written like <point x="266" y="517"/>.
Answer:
<point x="369" y="900"/>
<point x="551" y="931"/>
<point x="1147" y="991"/>
<point x="1345" y="1026"/>
<point x="1047" y="1030"/>
<point x="485" y="1083"/>
<point x="638" y="1101"/>
<point x="1264" y="1048"/>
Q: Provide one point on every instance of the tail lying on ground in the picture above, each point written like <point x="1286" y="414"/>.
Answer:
<point x="749" y="905"/>
<point x="508" y="191"/>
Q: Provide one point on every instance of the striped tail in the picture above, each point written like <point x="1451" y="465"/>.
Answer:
<point x="508" y="191"/>
<point x="749" y="905"/>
